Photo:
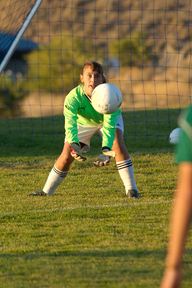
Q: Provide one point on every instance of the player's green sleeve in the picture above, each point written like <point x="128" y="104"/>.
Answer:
<point x="184" y="146"/>
<point x="109" y="128"/>
<point x="70" y="113"/>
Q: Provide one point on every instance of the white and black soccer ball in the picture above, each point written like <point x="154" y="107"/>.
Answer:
<point x="106" y="98"/>
<point x="174" y="136"/>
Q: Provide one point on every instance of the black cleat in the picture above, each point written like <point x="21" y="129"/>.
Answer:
<point x="38" y="193"/>
<point x="133" y="193"/>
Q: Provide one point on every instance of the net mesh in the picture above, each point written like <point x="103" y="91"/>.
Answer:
<point x="13" y="14"/>
<point x="145" y="47"/>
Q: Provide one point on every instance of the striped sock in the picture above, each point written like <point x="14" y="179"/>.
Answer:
<point x="55" y="177"/>
<point x="125" y="169"/>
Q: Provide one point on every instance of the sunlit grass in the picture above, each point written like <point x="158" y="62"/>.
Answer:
<point x="88" y="234"/>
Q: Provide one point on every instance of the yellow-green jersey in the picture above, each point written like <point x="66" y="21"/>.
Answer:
<point x="184" y="146"/>
<point x="78" y="111"/>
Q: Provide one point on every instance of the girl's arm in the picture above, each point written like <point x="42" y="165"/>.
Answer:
<point x="179" y="225"/>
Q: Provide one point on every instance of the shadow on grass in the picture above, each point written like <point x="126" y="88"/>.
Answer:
<point x="160" y="254"/>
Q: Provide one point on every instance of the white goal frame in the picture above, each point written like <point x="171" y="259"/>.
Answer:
<point x="20" y="32"/>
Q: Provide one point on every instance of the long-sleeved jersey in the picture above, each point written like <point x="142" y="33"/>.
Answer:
<point x="78" y="110"/>
<point x="184" y="146"/>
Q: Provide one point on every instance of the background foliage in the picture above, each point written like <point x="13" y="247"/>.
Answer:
<point x="12" y="92"/>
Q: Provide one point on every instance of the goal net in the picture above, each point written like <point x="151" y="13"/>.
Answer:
<point x="144" y="46"/>
<point x="15" y="18"/>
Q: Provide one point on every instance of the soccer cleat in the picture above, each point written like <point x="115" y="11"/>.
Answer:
<point x="133" y="193"/>
<point x="38" y="193"/>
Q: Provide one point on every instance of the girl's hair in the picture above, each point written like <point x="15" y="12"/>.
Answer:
<point x="96" y="67"/>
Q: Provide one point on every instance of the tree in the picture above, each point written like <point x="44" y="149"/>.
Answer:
<point x="12" y="92"/>
<point x="55" y="68"/>
<point x="131" y="51"/>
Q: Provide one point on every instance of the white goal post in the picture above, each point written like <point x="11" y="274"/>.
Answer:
<point x="19" y="34"/>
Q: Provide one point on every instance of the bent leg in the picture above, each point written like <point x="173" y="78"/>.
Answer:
<point x="124" y="165"/>
<point x="59" y="170"/>
<point x="65" y="159"/>
<point x="119" y="147"/>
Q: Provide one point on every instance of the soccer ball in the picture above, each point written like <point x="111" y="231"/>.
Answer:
<point x="106" y="98"/>
<point x="174" y="136"/>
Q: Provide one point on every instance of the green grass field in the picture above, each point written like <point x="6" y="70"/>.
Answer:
<point x="88" y="234"/>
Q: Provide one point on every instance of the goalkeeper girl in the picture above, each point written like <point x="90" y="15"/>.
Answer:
<point x="81" y="123"/>
<point x="182" y="210"/>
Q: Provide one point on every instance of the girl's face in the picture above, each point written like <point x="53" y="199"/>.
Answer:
<point x="90" y="79"/>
